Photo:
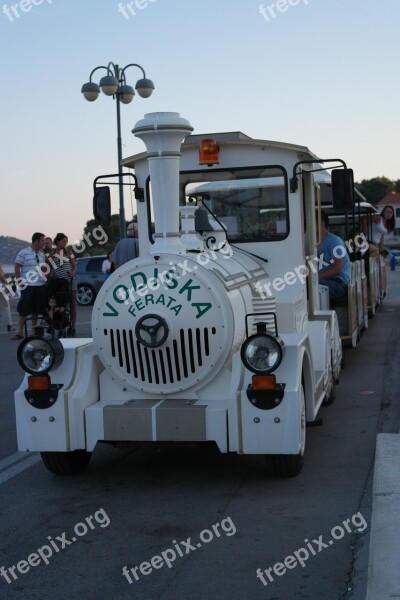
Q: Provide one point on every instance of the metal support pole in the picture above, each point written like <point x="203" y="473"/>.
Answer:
<point x="122" y="226"/>
<point x="121" y="92"/>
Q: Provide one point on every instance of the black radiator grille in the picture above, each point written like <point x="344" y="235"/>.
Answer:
<point x="177" y="361"/>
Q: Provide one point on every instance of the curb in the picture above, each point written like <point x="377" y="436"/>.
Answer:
<point x="383" y="565"/>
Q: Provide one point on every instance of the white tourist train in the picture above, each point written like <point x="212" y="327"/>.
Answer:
<point x="216" y="333"/>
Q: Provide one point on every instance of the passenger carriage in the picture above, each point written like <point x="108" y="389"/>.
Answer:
<point x="367" y="286"/>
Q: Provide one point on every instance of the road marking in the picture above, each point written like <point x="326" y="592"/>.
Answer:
<point x="17" y="463"/>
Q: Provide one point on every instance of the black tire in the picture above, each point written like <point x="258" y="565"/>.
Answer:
<point x="289" y="465"/>
<point x="332" y="395"/>
<point x="85" y="295"/>
<point x="66" y="463"/>
<point x="286" y="465"/>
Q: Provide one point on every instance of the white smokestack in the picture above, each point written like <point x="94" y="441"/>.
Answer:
<point x="163" y="134"/>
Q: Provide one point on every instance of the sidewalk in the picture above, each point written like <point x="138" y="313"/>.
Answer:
<point x="383" y="566"/>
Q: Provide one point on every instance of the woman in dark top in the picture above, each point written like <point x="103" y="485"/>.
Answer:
<point x="64" y="265"/>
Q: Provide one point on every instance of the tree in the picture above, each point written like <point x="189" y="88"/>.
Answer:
<point x="376" y="188"/>
<point x="93" y="239"/>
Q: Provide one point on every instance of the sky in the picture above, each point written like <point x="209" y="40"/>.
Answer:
<point x="319" y="73"/>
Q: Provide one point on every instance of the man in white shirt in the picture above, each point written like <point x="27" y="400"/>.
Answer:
<point x="30" y="266"/>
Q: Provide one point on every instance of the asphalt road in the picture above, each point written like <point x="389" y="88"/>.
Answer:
<point x="140" y="503"/>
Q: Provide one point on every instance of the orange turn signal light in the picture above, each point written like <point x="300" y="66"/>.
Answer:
<point x="39" y="382"/>
<point x="208" y="152"/>
<point x="264" y="382"/>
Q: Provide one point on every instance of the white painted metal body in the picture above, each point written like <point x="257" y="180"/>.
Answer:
<point x="194" y="386"/>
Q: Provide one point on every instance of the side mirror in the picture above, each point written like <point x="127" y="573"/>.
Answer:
<point x="201" y="222"/>
<point x="343" y="189"/>
<point x="102" y="205"/>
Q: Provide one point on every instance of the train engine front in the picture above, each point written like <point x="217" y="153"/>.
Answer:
<point x="169" y="325"/>
<point x="184" y="346"/>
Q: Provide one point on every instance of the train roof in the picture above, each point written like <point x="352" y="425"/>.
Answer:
<point x="362" y="208"/>
<point x="230" y="138"/>
<point x="237" y="137"/>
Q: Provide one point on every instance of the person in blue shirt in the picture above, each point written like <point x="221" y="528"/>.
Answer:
<point x="334" y="263"/>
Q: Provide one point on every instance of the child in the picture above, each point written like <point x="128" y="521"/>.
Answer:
<point x="56" y="313"/>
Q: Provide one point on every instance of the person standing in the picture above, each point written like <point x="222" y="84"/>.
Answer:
<point x="388" y="219"/>
<point x="381" y="224"/>
<point x="5" y="301"/>
<point x="48" y="246"/>
<point x="31" y="281"/>
<point x="378" y="231"/>
<point x="127" y="248"/>
<point x="107" y="263"/>
<point x="64" y="265"/>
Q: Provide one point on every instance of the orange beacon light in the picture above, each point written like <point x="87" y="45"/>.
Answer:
<point x="208" y="152"/>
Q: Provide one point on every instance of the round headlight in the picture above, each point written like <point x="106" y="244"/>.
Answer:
<point x="37" y="355"/>
<point x="262" y="353"/>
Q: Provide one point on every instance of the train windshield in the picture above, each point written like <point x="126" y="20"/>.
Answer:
<point x="251" y="204"/>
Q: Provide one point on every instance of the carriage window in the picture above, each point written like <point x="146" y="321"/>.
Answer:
<point x="251" y="204"/>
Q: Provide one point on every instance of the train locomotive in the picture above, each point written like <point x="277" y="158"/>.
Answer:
<point x="216" y="333"/>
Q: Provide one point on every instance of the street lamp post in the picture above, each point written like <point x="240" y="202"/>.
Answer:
<point x="114" y="84"/>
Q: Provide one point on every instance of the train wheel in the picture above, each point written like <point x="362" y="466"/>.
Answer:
<point x="355" y="339"/>
<point x="330" y="397"/>
<point x="289" y="465"/>
<point x="66" y="463"/>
